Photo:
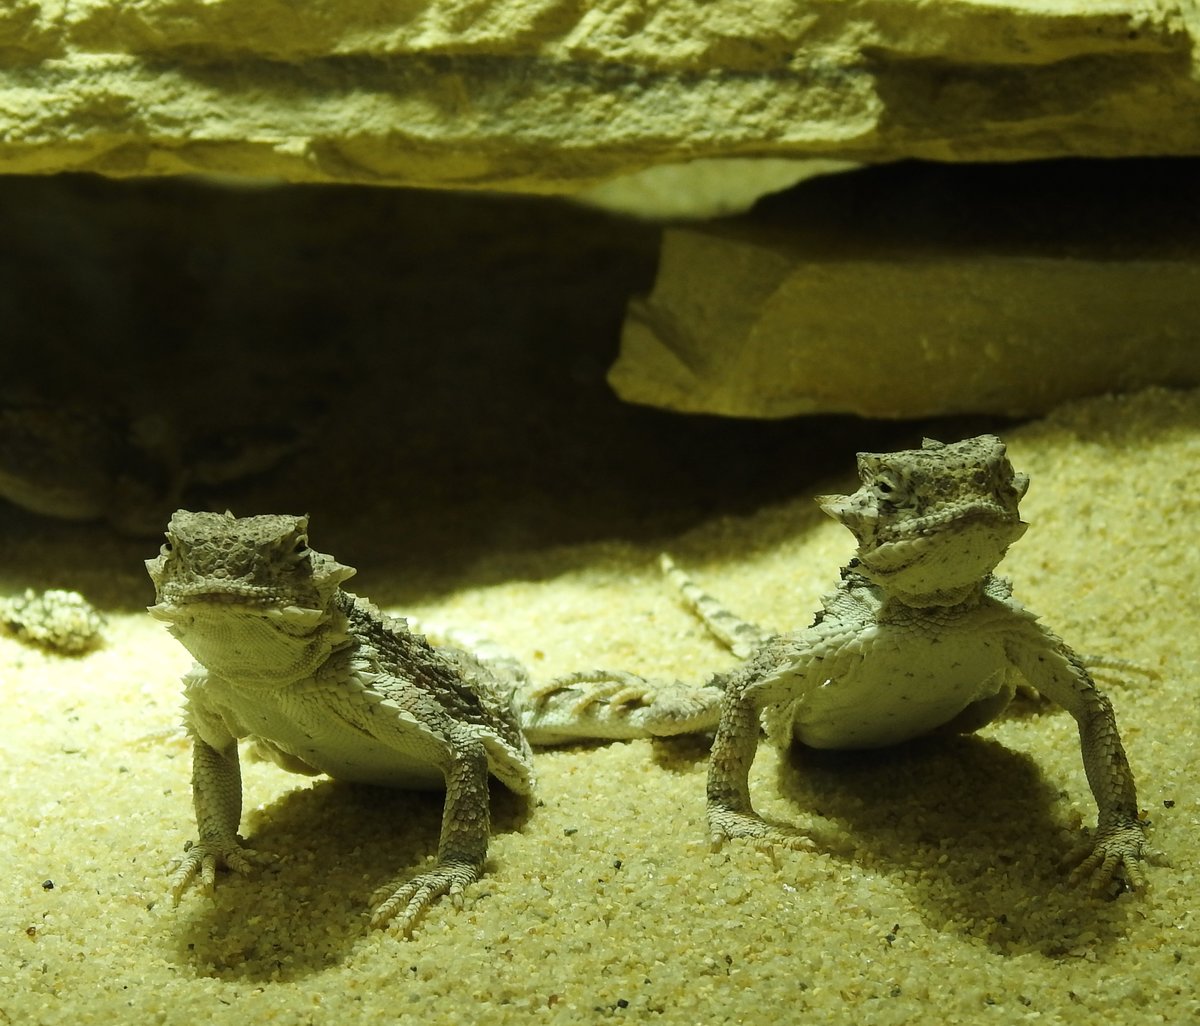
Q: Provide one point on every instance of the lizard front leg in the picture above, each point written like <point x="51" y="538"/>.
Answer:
<point x="462" y="848"/>
<point x="730" y="813"/>
<point x="1059" y="674"/>
<point x="1120" y="837"/>
<point x="217" y="797"/>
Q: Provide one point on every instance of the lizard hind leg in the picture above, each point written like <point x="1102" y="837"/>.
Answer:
<point x="615" y="705"/>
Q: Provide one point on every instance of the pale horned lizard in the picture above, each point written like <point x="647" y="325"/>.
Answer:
<point x="57" y="620"/>
<point x="80" y="463"/>
<point x="322" y="681"/>
<point x="918" y="637"/>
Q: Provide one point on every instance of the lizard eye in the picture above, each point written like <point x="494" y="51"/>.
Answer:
<point x="887" y="486"/>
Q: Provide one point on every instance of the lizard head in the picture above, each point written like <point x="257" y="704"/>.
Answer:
<point x="246" y="595"/>
<point x="931" y="523"/>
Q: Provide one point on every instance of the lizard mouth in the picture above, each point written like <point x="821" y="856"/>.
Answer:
<point x="913" y="533"/>
<point x="963" y="552"/>
<point x="177" y="604"/>
<point x="232" y="593"/>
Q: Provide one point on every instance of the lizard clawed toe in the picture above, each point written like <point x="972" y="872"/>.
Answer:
<point x="201" y="860"/>
<point x="1116" y="854"/>
<point x="405" y="905"/>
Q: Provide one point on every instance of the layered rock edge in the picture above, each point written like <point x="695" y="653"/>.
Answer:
<point x="546" y="96"/>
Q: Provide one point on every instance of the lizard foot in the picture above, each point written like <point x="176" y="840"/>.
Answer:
<point x="725" y="823"/>
<point x="203" y="858"/>
<point x="1116" y="852"/>
<point x="588" y="689"/>
<point x="416" y="895"/>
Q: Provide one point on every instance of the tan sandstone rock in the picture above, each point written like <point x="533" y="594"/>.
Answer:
<point x="547" y="96"/>
<point x="913" y="292"/>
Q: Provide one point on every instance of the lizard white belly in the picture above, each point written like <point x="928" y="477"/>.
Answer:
<point x="887" y="685"/>
<point x="281" y="725"/>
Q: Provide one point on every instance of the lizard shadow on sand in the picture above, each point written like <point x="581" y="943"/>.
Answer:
<point x="974" y="820"/>
<point x="346" y="840"/>
<point x="971" y="823"/>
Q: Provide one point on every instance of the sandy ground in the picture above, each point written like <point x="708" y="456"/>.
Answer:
<point x="941" y="898"/>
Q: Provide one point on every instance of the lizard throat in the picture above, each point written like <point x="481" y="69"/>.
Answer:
<point x="252" y="646"/>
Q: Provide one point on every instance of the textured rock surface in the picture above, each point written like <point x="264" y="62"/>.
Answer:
<point x="907" y="292"/>
<point x="542" y="95"/>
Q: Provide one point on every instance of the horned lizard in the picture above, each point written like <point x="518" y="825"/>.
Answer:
<point x="58" y="620"/>
<point x="919" y="636"/>
<point x="322" y="681"/>
<point x="83" y="463"/>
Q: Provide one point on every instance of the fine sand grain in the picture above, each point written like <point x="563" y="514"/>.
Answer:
<point x="937" y="896"/>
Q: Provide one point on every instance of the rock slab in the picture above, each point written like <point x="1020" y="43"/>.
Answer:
<point x="912" y="292"/>
<point x="551" y="96"/>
